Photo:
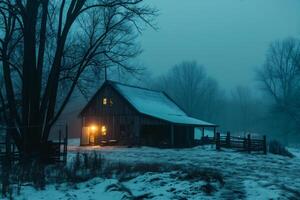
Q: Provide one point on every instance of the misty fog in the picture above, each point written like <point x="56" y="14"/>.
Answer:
<point x="229" y="37"/>
<point x="150" y="99"/>
<point x="228" y="42"/>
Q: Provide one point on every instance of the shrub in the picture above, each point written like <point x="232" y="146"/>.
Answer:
<point x="37" y="175"/>
<point x="83" y="167"/>
<point x="90" y="165"/>
<point x="208" y="188"/>
<point x="204" y="174"/>
<point x="276" y="147"/>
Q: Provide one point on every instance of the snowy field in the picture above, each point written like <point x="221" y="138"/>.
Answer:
<point x="246" y="176"/>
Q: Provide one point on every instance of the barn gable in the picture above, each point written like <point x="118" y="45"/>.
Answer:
<point x="116" y="104"/>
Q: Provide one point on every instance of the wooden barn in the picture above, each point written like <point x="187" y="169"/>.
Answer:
<point x="129" y="115"/>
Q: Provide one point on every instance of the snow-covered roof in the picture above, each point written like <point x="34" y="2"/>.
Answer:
<point x="156" y="104"/>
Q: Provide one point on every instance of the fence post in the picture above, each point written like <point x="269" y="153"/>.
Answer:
<point x="59" y="137"/>
<point x="13" y="151"/>
<point x="249" y="143"/>
<point x="218" y="142"/>
<point x="66" y="144"/>
<point x="265" y="144"/>
<point x="8" y="153"/>
<point x="228" y="139"/>
<point x="67" y="134"/>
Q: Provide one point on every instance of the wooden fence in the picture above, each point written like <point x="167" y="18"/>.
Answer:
<point x="55" y="151"/>
<point x="205" y="141"/>
<point x="248" y="144"/>
<point x="8" y="151"/>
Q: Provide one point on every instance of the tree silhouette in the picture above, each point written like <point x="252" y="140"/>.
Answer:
<point x="48" y="49"/>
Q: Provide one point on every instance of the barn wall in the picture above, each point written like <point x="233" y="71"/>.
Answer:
<point x="183" y="136"/>
<point x="155" y="135"/>
<point x="119" y="117"/>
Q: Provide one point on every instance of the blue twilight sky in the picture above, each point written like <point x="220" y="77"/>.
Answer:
<point x="229" y="37"/>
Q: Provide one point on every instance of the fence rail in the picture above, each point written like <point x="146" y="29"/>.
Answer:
<point x="8" y="151"/>
<point x="205" y="140"/>
<point x="54" y="151"/>
<point x="241" y="143"/>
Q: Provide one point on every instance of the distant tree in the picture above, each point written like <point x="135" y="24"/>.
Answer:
<point x="246" y="112"/>
<point x="212" y="102"/>
<point x="188" y="84"/>
<point x="182" y="82"/>
<point x="48" y="49"/>
<point x="280" y="80"/>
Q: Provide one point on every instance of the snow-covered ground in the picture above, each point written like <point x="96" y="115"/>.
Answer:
<point x="246" y="176"/>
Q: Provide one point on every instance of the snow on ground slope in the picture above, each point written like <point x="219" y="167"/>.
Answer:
<point x="246" y="176"/>
<point x="93" y="189"/>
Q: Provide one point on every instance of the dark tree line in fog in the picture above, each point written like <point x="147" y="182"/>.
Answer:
<point x="273" y="108"/>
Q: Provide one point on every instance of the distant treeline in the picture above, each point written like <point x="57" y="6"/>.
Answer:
<point x="272" y="109"/>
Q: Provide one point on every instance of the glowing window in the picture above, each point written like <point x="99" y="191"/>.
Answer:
<point x="104" y="101"/>
<point x="103" y="130"/>
<point x="111" y="102"/>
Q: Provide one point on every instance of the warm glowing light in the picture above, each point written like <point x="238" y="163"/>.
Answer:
<point x="93" y="128"/>
<point x="103" y="130"/>
<point x="104" y="101"/>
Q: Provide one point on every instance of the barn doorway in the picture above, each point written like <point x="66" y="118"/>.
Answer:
<point x="93" y="134"/>
<point x="155" y="135"/>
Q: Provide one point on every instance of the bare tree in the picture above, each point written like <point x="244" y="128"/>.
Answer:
<point x="188" y="84"/>
<point x="280" y="79"/>
<point x="181" y="83"/>
<point x="246" y="112"/>
<point x="48" y="49"/>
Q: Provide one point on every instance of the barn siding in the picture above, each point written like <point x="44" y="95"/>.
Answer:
<point x="123" y="122"/>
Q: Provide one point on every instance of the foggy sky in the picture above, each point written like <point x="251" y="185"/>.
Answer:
<point x="229" y="37"/>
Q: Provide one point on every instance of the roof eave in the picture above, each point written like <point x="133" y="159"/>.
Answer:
<point x="182" y="124"/>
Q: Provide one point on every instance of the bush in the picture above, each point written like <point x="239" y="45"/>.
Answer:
<point x="208" y="189"/>
<point x="83" y="167"/>
<point x="276" y="147"/>
<point x="205" y="174"/>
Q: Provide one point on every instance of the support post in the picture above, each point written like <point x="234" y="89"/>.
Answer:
<point x="59" y="137"/>
<point x="214" y="133"/>
<point x="228" y="139"/>
<point x="67" y="134"/>
<point x="13" y="151"/>
<point x="265" y="144"/>
<point x="249" y="143"/>
<point x="8" y="144"/>
<point x="81" y="132"/>
<point x="137" y="131"/>
<point x="172" y="135"/>
<point x="66" y="144"/>
<point x="59" y="145"/>
<point x="218" y="142"/>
